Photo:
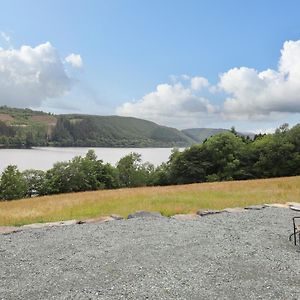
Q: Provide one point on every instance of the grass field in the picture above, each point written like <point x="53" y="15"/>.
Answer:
<point x="167" y="200"/>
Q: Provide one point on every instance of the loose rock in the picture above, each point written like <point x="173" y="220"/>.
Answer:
<point x="99" y="220"/>
<point x="255" y="207"/>
<point x="277" y="205"/>
<point x="9" y="229"/>
<point x="116" y="217"/>
<point x="145" y="214"/>
<point x="207" y="212"/>
<point x="185" y="217"/>
<point x="234" y="210"/>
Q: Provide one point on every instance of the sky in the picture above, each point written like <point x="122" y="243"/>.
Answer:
<point x="178" y="63"/>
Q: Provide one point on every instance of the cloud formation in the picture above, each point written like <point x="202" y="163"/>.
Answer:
<point x="74" y="60"/>
<point x="169" y="104"/>
<point x="30" y="75"/>
<point x="254" y="94"/>
<point x="197" y="83"/>
<point x="246" y="94"/>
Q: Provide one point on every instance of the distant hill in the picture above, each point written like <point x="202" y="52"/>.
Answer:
<point x="115" y="131"/>
<point x="201" y="134"/>
<point x="26" y="128"/>
<point x="22" y="128"/>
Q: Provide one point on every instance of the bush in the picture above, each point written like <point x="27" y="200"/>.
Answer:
<point x="12" y="184"/>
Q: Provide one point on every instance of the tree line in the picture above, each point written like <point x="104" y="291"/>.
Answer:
<point x="225" y="156"/>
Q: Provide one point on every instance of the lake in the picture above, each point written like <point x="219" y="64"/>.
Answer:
<point x="43" y="158"/>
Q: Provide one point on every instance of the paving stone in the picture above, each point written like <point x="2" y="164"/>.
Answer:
<point x="50" y="224"/>
<point x="234" y="210"/>
<point x="203" y="213"/>
<point x="278" y="205"/>
<point x="293" y="203"/>
<point x="256" y="207"/>
<point x="185" y="217"/>
<point x="116" y="217"/>
<point x="99" y="220"/>
<point x="145" y="214"/>
<point x="9" y="229"/>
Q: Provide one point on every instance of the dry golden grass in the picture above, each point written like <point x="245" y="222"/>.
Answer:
<point x="168" y="200"/>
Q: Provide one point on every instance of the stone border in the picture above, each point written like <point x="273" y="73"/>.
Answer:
<point x="145" y="215"/>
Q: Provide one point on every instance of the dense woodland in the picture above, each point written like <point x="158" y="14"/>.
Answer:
<point x="25" y="128"/>
<point x="114" y="131"/>
<point x="225" y="156"/>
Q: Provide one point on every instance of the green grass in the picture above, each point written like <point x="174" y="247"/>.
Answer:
<point x="168" y="200"/>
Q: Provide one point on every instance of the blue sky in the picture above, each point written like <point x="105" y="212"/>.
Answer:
<point x="138" y="58"/>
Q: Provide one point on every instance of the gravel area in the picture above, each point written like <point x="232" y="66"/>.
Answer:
<point x="243" y="255"/>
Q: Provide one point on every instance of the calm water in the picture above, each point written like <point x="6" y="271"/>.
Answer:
<point x="44" y="158"/>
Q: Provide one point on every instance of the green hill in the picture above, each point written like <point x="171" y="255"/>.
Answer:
<point x="25" y="128"/>
<point x="115" y="131"/>
<point x="201" y="134"/>
<point x="21" y="128"/>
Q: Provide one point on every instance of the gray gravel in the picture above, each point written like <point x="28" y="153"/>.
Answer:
<point x="223" y="256"/>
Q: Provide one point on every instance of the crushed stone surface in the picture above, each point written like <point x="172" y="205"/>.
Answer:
<point x="221" y="256"/>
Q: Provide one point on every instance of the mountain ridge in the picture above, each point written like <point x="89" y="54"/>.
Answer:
<point x="26" y="128"/>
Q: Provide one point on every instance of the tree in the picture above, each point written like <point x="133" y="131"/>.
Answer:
<point x="12" y="184"/>
<point x="232" y="130"/>
<point x="56" y="179"/>
<point x="189" y="166"/>
<point x="224" y="153"/>
<point x="29" y="141"/>
<point x="276" y="155"/>
<point x="61" y="132"/>
<point x="35" y="181"/>
<point x="161" y="175"/>
<point x="80" y="174"/>
<point x="132" y="172"/>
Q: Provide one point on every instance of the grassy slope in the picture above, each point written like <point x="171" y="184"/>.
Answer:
<point x="168" y="200"/>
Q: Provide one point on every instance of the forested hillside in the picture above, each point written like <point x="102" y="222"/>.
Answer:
<point x="23" y="128"/>
<point x="114" y="131"/>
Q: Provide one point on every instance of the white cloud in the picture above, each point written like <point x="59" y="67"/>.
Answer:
<point x="74" y="60"/>
<point x="243" y="94"/>
<point x="254" y="94"/>
<point x="169" y="104"/>
<point x="30" y="75"/>
<point x="197" y="83"/>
